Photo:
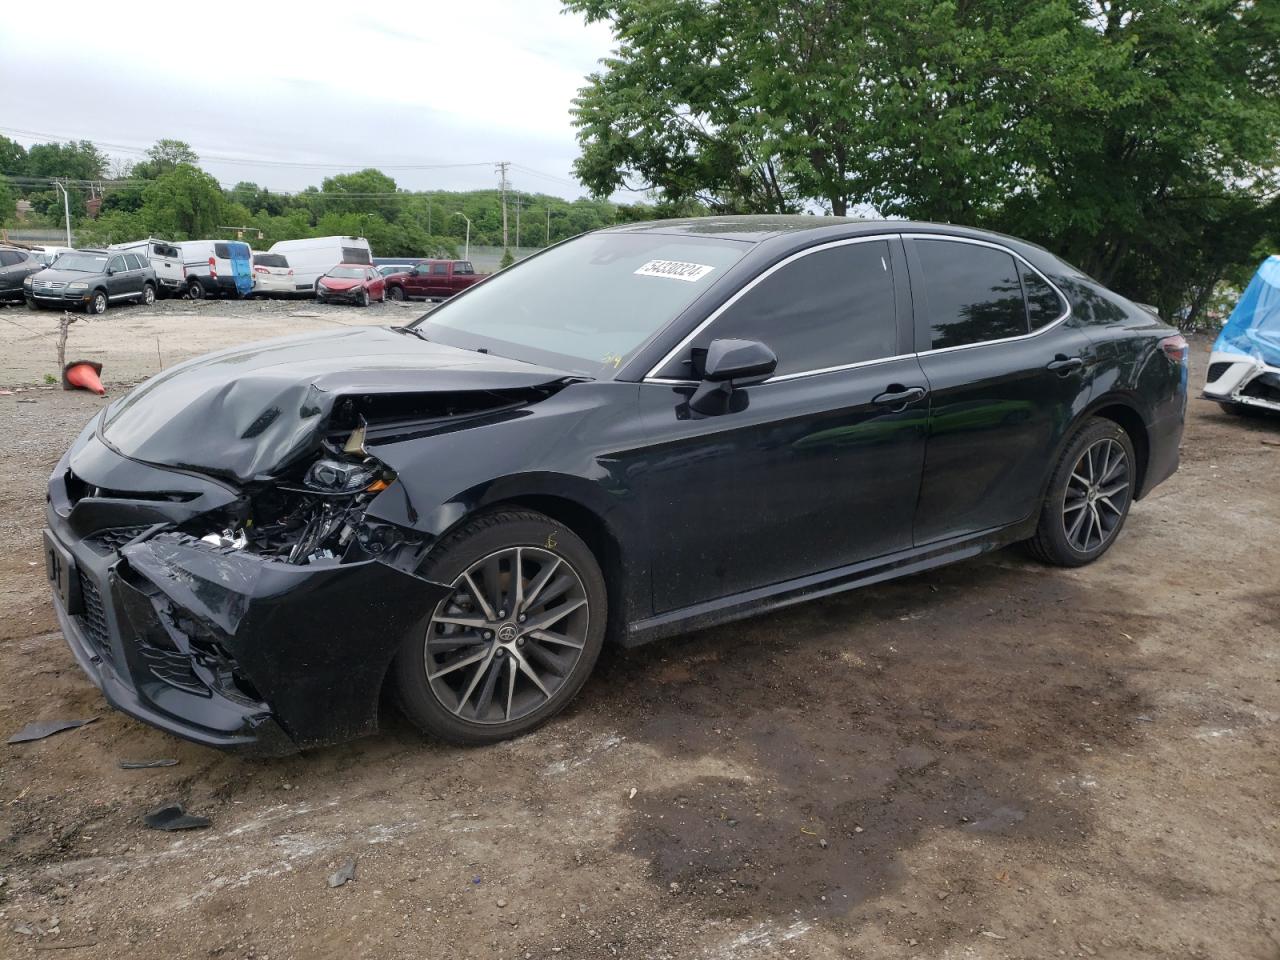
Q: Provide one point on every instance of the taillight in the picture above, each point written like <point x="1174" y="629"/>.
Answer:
<point x="261" y="270"/>
<point x="213" y="266"/>
<point x="1175" y="348"/>
<point x="291" y="273"/>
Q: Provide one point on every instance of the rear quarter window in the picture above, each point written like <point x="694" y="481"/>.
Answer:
<point x="222" y="251"/>
<point x="972" y="293"/>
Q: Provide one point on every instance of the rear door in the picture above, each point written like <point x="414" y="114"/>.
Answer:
<point x="810" y="471"/>
<point x="438" y="284"/>
<point x="1007" y="373"/>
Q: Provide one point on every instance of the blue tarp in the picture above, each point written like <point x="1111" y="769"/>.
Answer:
<point x="1253" y="329"/>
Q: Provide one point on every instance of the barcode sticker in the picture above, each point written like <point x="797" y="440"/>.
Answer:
<point x="674" y="270"/>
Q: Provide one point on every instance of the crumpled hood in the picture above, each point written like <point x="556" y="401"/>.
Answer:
<point x="244" y="413"/>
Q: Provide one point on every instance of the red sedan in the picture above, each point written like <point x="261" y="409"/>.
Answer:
<point x="356" y="283"/>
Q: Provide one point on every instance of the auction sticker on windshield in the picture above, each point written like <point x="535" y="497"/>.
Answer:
<point x="674" y="270"/>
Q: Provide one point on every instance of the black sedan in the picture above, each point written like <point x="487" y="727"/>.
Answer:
<point x="635" y="433"/>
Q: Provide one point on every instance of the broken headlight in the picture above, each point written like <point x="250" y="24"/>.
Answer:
<point x="340" y="476"/>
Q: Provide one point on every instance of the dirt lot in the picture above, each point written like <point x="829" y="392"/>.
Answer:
<point x="133" y="342"/>
<point x="995" y="760"/>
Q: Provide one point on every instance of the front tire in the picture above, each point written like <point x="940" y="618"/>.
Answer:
<point x="97" y="305"/>
<point x="364" y="298"/>
<point x="516" y="637"/>
<point x="1089" y="496"/>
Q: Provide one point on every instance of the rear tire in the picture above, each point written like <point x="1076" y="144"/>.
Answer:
<point x="396" y="294"/>
<point x="148" y="295"/>
<point x="195" y="290"/>
<point x="1088" y="498"/>
<point x="512" y="681"/>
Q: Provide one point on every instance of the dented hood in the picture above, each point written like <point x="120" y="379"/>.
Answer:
<point x="244" y="413"/>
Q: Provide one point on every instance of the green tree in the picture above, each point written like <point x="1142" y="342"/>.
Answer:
<point x="184" y="204"/>
<point x="75" y="160"/>
<point x="163" y="157"/>
<point x="1111" y="131"/>
<point x="13" y="157"/>
<point x="368" y="190"/>
<point x="7" y="202"/>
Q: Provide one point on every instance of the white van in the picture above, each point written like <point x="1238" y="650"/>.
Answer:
<point x="166" y="260"/>
<point x="314" y="257"/>
<point x="217" y="268"/>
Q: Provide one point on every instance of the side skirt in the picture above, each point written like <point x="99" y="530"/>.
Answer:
<point x="763" y="599"/>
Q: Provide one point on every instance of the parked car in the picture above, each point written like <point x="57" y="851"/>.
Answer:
<point x="16" y="264"/>
<point x="165" y="258"/>
<point x="313" y="257"/>
<point x="1244" y="365"/>
<point x="272" y="275"/>
<point x="387" y="269"/>
<point x="433" y="280"/>
<point x="90" y="280"/>
<point x="217" y="268"/>
<point x="402" y="263"/>
<point x="50" y="253"/>
<point x="645" y="430"/>
<point x="355" y="283"/>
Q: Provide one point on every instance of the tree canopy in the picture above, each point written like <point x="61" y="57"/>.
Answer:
<point x="1138" y="138"/>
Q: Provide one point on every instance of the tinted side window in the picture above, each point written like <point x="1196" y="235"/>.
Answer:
<point x="826" y="309"/>
<point x="9" y="259"/>
<point x="355" y="255"/>
<point x="463" y="266"/>
<point x="134" y="261"/>
<point x="439" y="268"/>
<point x="116" y="263"/>
<point x="222" y="251"/>
<point x="973" y="293"/>
<point x="1043" y="303"/>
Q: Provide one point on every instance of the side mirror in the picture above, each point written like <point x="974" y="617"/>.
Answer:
<point x="738" y="360"/>
<point x="110" y="272"/>
<point x="730" y="364"/>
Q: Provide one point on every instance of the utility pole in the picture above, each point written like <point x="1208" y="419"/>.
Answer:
<point x="466" y="252"/>
<point x="518" y="204"/>
<point x="501" y="167"/>
<point x="66" y="208"/>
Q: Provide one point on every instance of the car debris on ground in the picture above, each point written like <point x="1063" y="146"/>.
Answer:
<point x="46" y="728"/>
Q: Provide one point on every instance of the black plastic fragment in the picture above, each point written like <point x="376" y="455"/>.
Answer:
<point x="172" y="817"/>
<point x="46" y="728"/>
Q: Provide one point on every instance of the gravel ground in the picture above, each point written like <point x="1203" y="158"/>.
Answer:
<point x="132" y="342"/>
<point x="994" y="760"/>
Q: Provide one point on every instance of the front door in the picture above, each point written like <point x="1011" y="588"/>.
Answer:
<point x="1007" y="376"/>
<point x="813" y="470"/>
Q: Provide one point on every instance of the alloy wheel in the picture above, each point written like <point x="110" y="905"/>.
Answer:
<point x="1097" y="495"/>
<point x="508" y="636"/>
<point x="99" y="303"/>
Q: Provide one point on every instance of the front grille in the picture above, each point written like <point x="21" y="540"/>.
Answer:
<point x="172" y="667"/>
<point x="93" y="622"/>
<point x="115" y="538"/>
<point x="49" y="284"/>
<point x="1217" y="369"/>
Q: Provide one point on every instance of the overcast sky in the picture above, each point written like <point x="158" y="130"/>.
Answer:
<point x="267" y="91"/>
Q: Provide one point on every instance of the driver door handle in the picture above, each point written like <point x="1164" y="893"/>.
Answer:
<point x="1063" y="363"/>
<point x="899" y="398"/>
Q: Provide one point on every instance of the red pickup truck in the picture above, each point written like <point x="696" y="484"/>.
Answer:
<point x="433" y="279"/>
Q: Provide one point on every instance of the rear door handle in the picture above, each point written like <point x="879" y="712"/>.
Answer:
<point x="899" y="398"/>
<point x="1063" y="363"/>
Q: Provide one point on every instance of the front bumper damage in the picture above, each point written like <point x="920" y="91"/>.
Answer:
<point x="217" y="645"/>
<point x="1243" y="379"/>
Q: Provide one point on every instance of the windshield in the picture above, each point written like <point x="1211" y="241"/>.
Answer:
<point x="346" y="273"/>
<point x="82" y="262"/>
<point x="586" y="305"/>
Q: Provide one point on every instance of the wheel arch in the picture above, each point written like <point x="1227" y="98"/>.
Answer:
<point x="1121" y="410"/>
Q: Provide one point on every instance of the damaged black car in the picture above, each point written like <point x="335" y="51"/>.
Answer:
<point x="635" y="433"/>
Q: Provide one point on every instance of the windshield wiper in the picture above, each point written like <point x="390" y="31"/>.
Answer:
<point x="413" y="331"/>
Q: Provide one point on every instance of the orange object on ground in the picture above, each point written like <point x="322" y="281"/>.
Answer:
<point x="83" y="375"/>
